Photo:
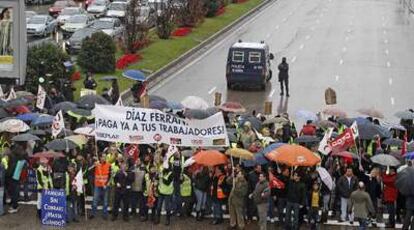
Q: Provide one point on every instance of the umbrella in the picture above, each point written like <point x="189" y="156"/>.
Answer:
<point x="135" y="75"/>
<point x="80" y="140"/>
<point x="87" y="130"/>
<point x="389" y="125"/>
<point x="160" y="105"/>
<point x="28" y="116"/>
<point x="405" y="115"/>
<point x="48" y="154"/>
<point x="369" y="131"/>
<point x="89" y="101"/>
<point x="326" y="124"/>
<point x="37" y="132"/>
<point x="385" y="160"/>
<point x="371" y="112"/>
<point x="256" y="123"/>
<point x="232" y="107"/>
<point x="345" y="154"/>
<point x="190" y="161"/>
<point x="13" y="126"/>
<point x="198" y="113"/>
<point x="210" y="158"/>
<point x="240" y="153"/>
<point x="64" y="106"/>
<point x="3" y="113"/>
<point x="187" y="153"/>
<point x="79" y="113"/>
<point x="294" y="155"/>
<point x="193" y="102"/>
<point x="349" y="121"/>
<point x="272" y="147"/>
<point x="17" y="102"/>
<point x="333" y="111"/>
<point x="25" y="94"/>
<point x="156" y="98"/>
<point x="61" y="145"/>
<point x="20" y="109"/>
<point x="405" y="181"/>
<point x="409" y="156"/>
<point x="306" y="115"/>
<point x="307" y="139"/>
<point x="43" y="120"/>
<point x="393" y="142"/>
<point x="259" y="159"/>
<point x="276" y="120"/>
<point x="108" y="78"/>
<point x="325" y="177"/>
<point x="175" y="105"/>
<point x="25" y="137"/>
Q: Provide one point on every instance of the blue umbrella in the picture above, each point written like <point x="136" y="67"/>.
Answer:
<point x="28" y="116"/>
<point x="259" y="159"/>
<point x="43" y="119"/>
<point x="160" y="105"/>
<point x="175" y="105"/>
<point x="409" y="156"/>
<point x="271" y="147"/>
<point x="134" y="75"/>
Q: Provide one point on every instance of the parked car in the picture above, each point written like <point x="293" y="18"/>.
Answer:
<point x="38" y="2"/>
<point x="74" y="43"/>
<point x="98" y="8"/>
<point x="69" y="12"/>
<point x="76" y="22"/>
<point x="117" y="9"/>
<point x="146" y="15"/>
<point x="29" y="14"/>
<point x="59" y="5"/>
<point x="41" y="25"/>
<point x="110" y="26"/>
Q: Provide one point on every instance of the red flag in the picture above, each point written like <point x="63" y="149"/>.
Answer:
<point x="274" y="182"/>
<point x="404" y="146"/>
<point x="343" y="141"/>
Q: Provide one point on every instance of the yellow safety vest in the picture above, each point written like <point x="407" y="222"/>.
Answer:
<point x="163" y="188"/>
<point x="46" y="180"/>
<point x="185" y="187"/>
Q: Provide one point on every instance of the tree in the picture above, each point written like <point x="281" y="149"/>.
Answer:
<point x="46" y="61"/>
<point x="191" y="13"/>
<point x="165" y="20"/>
<point x="136" y="27"/>
<point x="97" y="54"/>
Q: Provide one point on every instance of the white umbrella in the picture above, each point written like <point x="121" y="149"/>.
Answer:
<point x="325" y="177"/>
<point x="385" y="160"/>
<point x="13" y="126"/>
<point x="86" y="131"/>
<point x="193" y="102"/>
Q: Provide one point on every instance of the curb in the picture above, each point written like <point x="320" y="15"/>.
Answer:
<point x="165" y="71"/>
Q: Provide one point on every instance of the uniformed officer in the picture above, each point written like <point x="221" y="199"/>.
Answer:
<point x="284" y="76"/>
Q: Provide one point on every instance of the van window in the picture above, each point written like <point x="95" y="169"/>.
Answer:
<point x="238" y="56"/>
<point x="255" y="57"/>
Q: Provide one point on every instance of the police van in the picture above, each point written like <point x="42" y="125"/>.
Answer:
<point x="248" y="64"/>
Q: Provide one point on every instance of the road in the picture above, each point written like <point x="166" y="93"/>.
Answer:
<point x="361" y="48"/>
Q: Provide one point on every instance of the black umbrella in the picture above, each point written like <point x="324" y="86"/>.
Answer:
<point x="17" y="102"/>
<point x="3" y="113"/>
<point x="393" y="142"/>
<point x="79" y="113"/>
<point x="61" y="145"/>
<point x="25" y="137"/>
<point x="256" y="123"/>
<point x="307" y="139"/>
<point x="405" y="181"/>
<point x="37" y="132"/>
<point x="196" y="114"/>
<point x="64" y="106"/>
<point x="369" y="131"/>
<point x="89" y="101"/>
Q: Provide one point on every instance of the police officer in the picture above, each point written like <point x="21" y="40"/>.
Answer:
<point x="284" y="76"/>
<point x="44" y="181"/>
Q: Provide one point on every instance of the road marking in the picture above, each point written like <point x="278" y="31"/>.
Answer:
<point x="392" y="101"/>
<point x="386" y="41"/>
<point x="277" y="27"/>
<point x="271" y="93"/>
<point x="341" y="61"/>
<point x="307" y="37"/>
<point x="301" y="46"/>
<point x="344" y="49"/>
<point x="388" y="64"/>
<point x="293" y="59"/>
<point x="337" y="77"/>
<point x="390" y="81"/>
<point x="212" y="90"/>
<point x="386" y="52"/>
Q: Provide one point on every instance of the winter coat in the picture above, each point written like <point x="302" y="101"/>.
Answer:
<point x="390" y="191"/>
<point x="296" y="192"/>
<point x="309" y="130"/>
<point x="202" y="181"/>
<point x="261" y="192"/>
<point x="283" y="71"/>
<point x="239" y="191"/>
<point x="362" y="204"/>
<point x="345" y="189"/>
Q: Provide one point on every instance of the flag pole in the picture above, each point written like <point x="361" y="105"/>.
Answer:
<point x="84" y="199"/>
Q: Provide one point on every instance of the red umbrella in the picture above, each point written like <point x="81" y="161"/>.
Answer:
<point x="48" y="154"/>
<point x="232" y="107"/>
<point x="210" y="158"/>
<point x="345" y="154"/>
<point x="20" y="109"/>
<point x="333" y="111"/>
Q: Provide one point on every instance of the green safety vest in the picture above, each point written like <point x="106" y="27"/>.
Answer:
<point x="341" y="129"/>
<point x="165" y="189"/>
<point x="185" y="187"/>
<point x="47" y="180"/>
<point x="114" y="171"/>
<point x="148" y="184"/>
<point x="370" y="148"/>
<point x="394" y="148"/>
<point x="67" y="184"/>
<point x="5" y="162"/>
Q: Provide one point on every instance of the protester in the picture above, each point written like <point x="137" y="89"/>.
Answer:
<point x="89" y="82"/>
<point x="315" y="200"/>
<point x="295" y="200"/>
<point x="101" y="191"/>
<point x="361" y="204"/>
<point x="137" y="192"/>
<point x="2" y="186"/>
<point x="260" y="197"/>
<point x="44" y="182"/>
<point x="202" y="182"/>
<point x="236" y="199"/>
<point x="345" y="186"/>
<point x="218" y="194"/>
<point x="123" y="181"/>
<point x="72" y="199"/>
<point x="390" y="195"/>
<point x="166" y="190"/>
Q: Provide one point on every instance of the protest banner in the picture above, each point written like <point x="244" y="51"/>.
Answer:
<point x="41" y="98"/>
<point x="54" y="207"/>
<point x="147" y="126"/>
<point x="324" y="146"/>
<point x="343" y="141"/>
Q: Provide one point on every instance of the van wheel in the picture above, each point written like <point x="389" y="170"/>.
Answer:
<point x="263" y="86"/>
<point x="270" y="76"/>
